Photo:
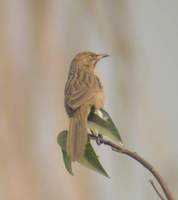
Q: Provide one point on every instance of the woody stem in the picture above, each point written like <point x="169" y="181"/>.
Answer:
<point x="135" y="156"/>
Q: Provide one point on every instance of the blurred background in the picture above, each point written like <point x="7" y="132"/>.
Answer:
<point x="38" y="39"/>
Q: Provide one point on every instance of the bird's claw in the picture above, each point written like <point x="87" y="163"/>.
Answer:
<point x="99" y="138"/>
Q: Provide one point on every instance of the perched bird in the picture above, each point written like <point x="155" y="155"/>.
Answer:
<point x="83" y="91"/>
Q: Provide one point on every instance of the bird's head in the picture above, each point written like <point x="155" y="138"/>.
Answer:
<point x="87" y="60"/>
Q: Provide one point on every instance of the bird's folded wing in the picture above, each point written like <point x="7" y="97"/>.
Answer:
<point x="80" y="91"/>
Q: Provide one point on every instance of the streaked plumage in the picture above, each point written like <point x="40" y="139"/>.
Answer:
<point x="82" y="91"/>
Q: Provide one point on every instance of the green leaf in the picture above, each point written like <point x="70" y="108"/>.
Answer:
<point x="89" y="160"/>
<point x="99" y="121"/>
<point x="67" y="162"/>
<point x="61" y="139"/>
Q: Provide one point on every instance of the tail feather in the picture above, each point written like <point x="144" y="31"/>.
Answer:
<point x="77" y="135"/>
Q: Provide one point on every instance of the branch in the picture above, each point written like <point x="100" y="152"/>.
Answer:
<point x="100" y="140"/>
<point x="156" y="190"/>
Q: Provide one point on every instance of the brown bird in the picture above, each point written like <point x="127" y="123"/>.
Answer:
<point x="83" y="91"/>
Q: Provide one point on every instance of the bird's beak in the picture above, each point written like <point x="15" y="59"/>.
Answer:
<point x="103" y="55"/>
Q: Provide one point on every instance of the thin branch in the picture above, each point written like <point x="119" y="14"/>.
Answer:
<point x="100" y="140"/>
<point x="156" y="190"/>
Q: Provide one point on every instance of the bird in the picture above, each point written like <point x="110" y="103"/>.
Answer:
<point x="83" y="91"/>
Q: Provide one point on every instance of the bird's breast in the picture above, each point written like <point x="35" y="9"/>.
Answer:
<point x="99" y="100"/>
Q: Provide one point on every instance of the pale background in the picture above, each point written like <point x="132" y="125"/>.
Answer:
<point x="38" y="39"/>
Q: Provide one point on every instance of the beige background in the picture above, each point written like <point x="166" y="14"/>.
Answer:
<point x="38" y="39"/>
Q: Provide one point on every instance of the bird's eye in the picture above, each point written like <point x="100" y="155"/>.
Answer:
<point x="90" y="56"/>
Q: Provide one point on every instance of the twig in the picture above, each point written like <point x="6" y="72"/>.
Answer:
<point x="135" y="156"/>
<point x="156" y="190"/>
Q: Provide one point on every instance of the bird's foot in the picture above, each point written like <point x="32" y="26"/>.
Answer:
<point x="99" y="139"/>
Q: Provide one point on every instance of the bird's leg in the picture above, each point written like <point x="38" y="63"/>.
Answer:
<point x="91" y="132"/>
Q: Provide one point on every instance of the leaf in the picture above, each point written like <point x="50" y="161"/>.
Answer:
<point x="100" y="121"/>
<point x="89" y="160"/>
<point x="62" y="139"/>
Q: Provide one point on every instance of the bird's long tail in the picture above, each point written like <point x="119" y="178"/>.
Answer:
<point x="77" y="135"/>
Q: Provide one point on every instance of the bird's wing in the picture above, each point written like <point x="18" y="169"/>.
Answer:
<point x="80" y="88"/>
